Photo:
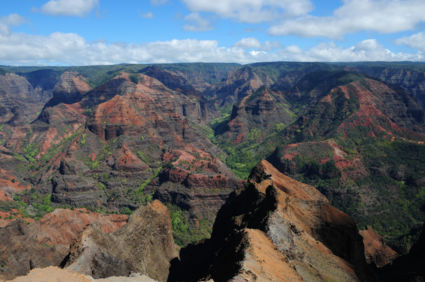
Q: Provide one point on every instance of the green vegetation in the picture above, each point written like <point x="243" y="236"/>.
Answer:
<point x="55" y="149"/>
<point x="29" y="203"/>
<point x="101" y="186"/>
<point x="134" y="77"/>
<point x="92" y="164"/>
<point x="104" y="153"/>
<point x="147" y="160"/>
<point x="139" y="195"/>
<point x="187" y="229"/>
<point x="126" y="210"/>
<point x="83" y="139"/>
<point x="30" y="151"/>
<point x="395" y="175"/>
<point x="279" y="126"/>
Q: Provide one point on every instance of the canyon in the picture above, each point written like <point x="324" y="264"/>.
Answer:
<point x="224" y="153"/>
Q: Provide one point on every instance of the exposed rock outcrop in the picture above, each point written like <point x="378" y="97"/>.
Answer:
<point x="20" y="102"/>
<point x="47" y="241"/>
<point x="145" y="245"/>
<point x="276" y="229"/>
<point x="69" y="89"/>
<point x="376" y="251"/>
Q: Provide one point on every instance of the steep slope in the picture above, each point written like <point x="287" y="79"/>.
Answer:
<point x="410" y="77"/>
<point x="376" y="251"/>
<point x="47" y="241"/>
<point x="20" y="102"/>
<point x="144" y="245"/>
<point x="357" y="140"/>
<point x="256" y="116"/>
<point x="239" y="83"/>
<point x="276" y="229"/>
<point x="69" y="89"/>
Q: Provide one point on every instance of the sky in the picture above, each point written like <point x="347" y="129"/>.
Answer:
<point x="98" y="32"/>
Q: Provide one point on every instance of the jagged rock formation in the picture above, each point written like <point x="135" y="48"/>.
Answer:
<point x="47" y="241"/>
<point x="276" y="229"/>
<point x="376" y="251"/>
<point x="144" y="245"/>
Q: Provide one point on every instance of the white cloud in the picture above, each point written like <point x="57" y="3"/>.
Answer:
<point x="10" y="20"/>
<point x="384" y="16"/>
<point x="366" y="50"/>
<point x="147" y="15"/>
<point x="68" y="7"/>
<point x="251" y="11"/>
<point x="197" y="23"/>
<point x="249" y="42"/>
<point x="72" y="49"/>
<point x="416" y="41"/>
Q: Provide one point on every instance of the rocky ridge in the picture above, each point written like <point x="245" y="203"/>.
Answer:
<point x="277" y="229"/>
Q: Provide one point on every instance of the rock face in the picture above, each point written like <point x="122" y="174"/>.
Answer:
<point x="144" y="245"/>
<point x="47" y="241"/>
<point x="256" y="116"/>
<point x="276" y="229"/>
<point x="376" y="251"/>
<point x="20" y="102"/>
<point x="69" y="89"/>
<point x="409" y="79"/>
<point x="240" y="83"/>
<point x="54" y="274"/>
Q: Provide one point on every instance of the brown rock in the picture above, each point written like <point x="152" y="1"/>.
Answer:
<point x="55" y="274"/>
<point x="277" y="229"/>
<point x="376" y="251"/>
<point x="124" y="159"/>
<point x="145" y="245"/>
<point x="46" y="242"/>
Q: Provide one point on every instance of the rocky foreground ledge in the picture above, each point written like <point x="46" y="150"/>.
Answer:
<point x="55" y="274"/>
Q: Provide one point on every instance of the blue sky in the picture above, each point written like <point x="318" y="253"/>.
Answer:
<point x="85" y="32"/>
